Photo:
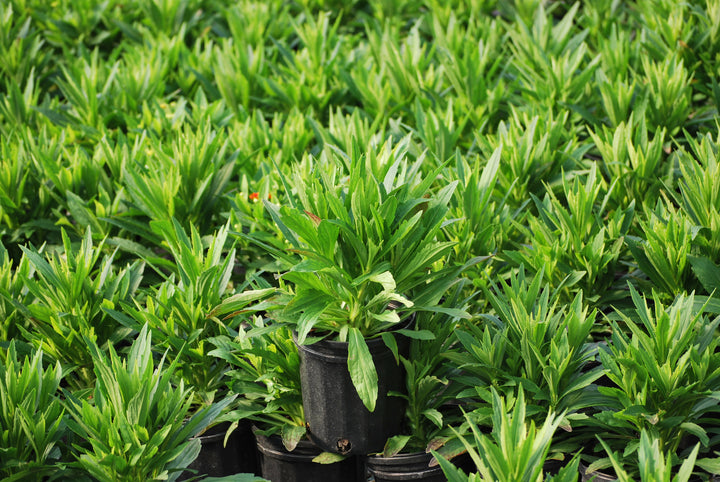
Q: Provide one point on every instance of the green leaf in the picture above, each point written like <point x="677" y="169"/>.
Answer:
<point x="362" y="369"/>
<point x="569" y="472"/>
<point x="387" y="316"/>
<point x="434" y="416"/>
<point x="240" y="301"/>
<point x="391" y="343"/>
<point x="275" y="214"/>
<point x="385" y="279"/>
<point x="394" y="445"/>
<point x="43" y="267"/>
<point x="697" y="431"/>
<point x="310" y="265"/>
<point x="686" y="469"/>
<point x="710" y="304"/>
<point x="329" y="458"/>
<point x="311" y="304"/>
<point x="706" y="271"/>
<point x="416" y="334"/>
<point x="453" y="474"/>
<point x="291" y="435"/>
<point x="709" y="465"/>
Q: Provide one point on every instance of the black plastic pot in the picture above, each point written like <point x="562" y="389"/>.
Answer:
<point x="217" y="459"/>
<point x="279" y="465"/>
<point x="336" y="417"/>
<point x="405" y="467"/>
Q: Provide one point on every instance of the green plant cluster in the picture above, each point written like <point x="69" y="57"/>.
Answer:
<point x="135" y="424"/>
<point x="163" y="158"/>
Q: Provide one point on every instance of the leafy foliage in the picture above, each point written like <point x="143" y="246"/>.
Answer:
<point x="431" y="394"/>
<point x="265" y="373"/>
<point x="32" y="421"/>
<point x="70" y="292"/>
<point x="573" y="140"/>
<point x="136" y="422"/>
<point x="177" y="311"/>
<point x="664" y="376"/>
<point x="516" y="449"/>
<point x="569" y="244"/>
<point x="531" y="341"/>
<point x="654" y="464"/>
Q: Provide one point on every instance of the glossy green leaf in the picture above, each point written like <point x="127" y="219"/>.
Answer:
<point x="328" y="458"/>
<point x="394" y="445"/>
<point x="291" y="435"/>
<point x="362" y="369"/>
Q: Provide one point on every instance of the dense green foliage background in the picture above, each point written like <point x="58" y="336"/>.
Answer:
<point x="138" y="139"/>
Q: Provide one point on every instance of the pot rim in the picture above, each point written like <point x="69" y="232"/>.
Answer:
<point x="273" y="445"/>
<point x="387" y="467"/>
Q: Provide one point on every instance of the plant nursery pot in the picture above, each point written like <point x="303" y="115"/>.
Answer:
<point x="279" y="465"/>
<point x="405" y="467"/>
<point x="336" y="418"/>
<point x="594" y="476"/>
<point x="217" y="459"/>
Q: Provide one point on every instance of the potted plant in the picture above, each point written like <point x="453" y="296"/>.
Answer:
<point x="265" y="373"/>
<point x="664" y="371"/>
<point x="33" y="419"/>
<point x="364" y="251"/>
<point x="653" y="462"/>
<point x="533" y="341"/>
<point x="194" y="280"/>
<point x="134" y="424"/>
<point x="517" y="448"/>
<point x="195" y="276"/>
<point x="431" y="403"/>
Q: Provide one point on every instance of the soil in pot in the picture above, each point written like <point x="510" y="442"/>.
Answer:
<point x="405" y="467"/>
<point x="279" y="465"/>
<point x="216" y="459"/>
<point x="336" y="417"/>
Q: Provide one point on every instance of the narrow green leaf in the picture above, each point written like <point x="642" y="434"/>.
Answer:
<point x="696" y="430"/>
<point x="394" y="445"/>
<point x="706" y="271"/>
<point x="328" y="458"/>
<point x="434" y="416"/>
<point x="453" y="474"/>
<point x="391" y="343"/>
<point x="362" y="369"/>
<point x="417" y="334"/>
<point x="291" y="435"/>
<point x="385" y="279"/>
<point x="709" y="465"/>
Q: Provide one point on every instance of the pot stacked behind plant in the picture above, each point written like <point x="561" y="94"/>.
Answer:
<point x="265" y="372"/>
<point x="430" y="395"/>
